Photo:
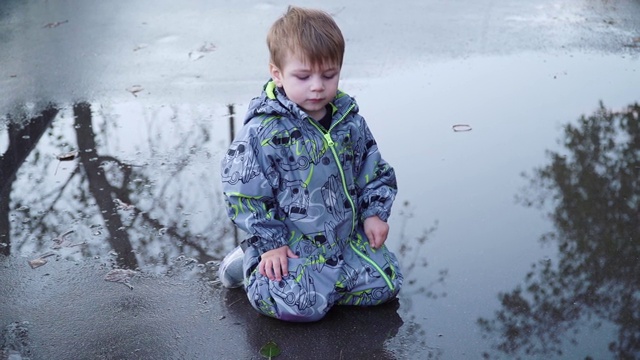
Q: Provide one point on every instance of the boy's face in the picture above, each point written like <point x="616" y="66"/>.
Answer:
<point x="310" y="88"/>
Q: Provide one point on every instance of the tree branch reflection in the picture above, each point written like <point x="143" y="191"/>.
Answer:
<point x="22" y="140"/>
<point x="141" y="211"/>
<point x="102" y="191"/>
<point x="594" y="188"/>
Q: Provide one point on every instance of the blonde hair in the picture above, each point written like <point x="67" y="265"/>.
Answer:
<point x="312" y="35"/>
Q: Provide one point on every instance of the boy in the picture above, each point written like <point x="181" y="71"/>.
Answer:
<point x="305" y="178"/>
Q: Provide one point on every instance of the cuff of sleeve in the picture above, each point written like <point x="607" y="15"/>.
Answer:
<point x="375" y="211"/>
<point x="263" y="245"/>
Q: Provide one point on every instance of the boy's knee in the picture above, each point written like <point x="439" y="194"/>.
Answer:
<point x="293" y="315"/>
<point x="286" y="300"/>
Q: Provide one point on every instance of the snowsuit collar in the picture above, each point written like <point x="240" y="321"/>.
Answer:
<point x="272" y="101"/>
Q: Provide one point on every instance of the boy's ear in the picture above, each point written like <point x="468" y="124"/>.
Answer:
<point x="276" y="74"/>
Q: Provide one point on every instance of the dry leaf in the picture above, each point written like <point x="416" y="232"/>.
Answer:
<point x="202" y="50"/>
<point x="135" y="89"/>
<point x="41" y="260"/>
<point x="36" y="263"/>
<point x="207" y="47"/>
<point x="68" y="156"/>
<point x="461" y="127"/>
<point x="121" y="205"/>
<point x="140" y="47"/>
<point x="121" y="275"/>
<point x="55" y="24"/>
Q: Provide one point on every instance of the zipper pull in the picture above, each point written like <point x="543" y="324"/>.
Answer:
<point x="327" y="137"/>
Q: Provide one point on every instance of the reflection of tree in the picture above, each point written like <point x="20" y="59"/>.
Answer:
<point x="140" y="208"/>
<point x="419" y="285"/>
<point x="141" y="203"/>
<point x="411" y="259"/>
<point x="102" y="191"/>
<point x="22" y="140"/>
<point x="595" y="189"/>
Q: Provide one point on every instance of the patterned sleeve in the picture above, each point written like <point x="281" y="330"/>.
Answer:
<point x="376" y="180"/>
<point x="249" y="194"/>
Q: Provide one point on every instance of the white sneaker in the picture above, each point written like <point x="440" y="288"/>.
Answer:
<point x="230" y="271"/>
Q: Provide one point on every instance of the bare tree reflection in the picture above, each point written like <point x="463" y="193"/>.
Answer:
<point x="420" y="285"/>
<point x="413" y="261"/>
<point x="140" y="210"/>
<point x="22" y="140"/>
<point x="136" y="208"/>
<point x="154" y="206"/>
<point x="102" y="191"/>
<point x="595" y="193"/>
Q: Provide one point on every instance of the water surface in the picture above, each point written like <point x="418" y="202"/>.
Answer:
<point x="517" y="237"/>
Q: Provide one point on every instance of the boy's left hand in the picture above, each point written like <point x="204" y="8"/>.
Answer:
<point x="376" y="230"/>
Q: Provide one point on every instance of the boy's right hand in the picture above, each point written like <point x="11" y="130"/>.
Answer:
<point x="275" y="263"/>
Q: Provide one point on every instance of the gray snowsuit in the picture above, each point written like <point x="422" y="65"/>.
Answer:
<point x="288" y="181"/>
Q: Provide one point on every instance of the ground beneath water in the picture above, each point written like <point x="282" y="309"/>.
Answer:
<point x="513" y="128"/>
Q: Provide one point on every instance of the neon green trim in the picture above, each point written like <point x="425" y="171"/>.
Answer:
<point x="270" y="90"/>
<point x="343" y="116"/>
<point x="331" y="143"/>
<point x="308" y="179"/>
<point x="334" y="108"/>
<point x="340" y="94"/>
<point x="373" y="263"/>
<point x="329" y="140"/>
<point x="354" y="210"/>
<point x="243" y="195"/>
<point x="267" y="120"/>
<point x="293" y="240"/>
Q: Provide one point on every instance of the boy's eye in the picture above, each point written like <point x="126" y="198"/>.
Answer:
<point x="302" y="77"/>
<point x="329" y="76"/>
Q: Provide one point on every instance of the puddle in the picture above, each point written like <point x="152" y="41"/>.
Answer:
<point x="473" y="184"/>
<point x="514" y="222"/>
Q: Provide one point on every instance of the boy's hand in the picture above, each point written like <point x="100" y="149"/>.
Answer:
<point x="275" y="263"/>
<point x="376" y="230"/>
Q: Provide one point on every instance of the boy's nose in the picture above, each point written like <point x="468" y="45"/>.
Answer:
<point x="317" y="85"/>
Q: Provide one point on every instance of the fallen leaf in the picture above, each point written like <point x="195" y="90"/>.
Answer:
<point x="207" y="47"/>
<point x="461" y="127"/>
<point x="40" y="260"/>
<point x="140" y="47"/>
<point x="36" y="263"/>
<point x="68" y="156"/>
<point x="121" y="205"/>
<point x="270" y="350"/>
<point x="195" y="55"/>
<point x="121" y="276"/>
<point x="202" y="50"/>
<point x="135" y="89"/>
<point x="55" y="24"/>
<point x="61" y="240"/>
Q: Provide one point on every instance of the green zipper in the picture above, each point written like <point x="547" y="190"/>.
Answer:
<point x="327" y="137"/>
<point x="373" y="263"/>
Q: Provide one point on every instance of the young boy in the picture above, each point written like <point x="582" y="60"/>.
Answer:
<point x="305" y="178"/>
